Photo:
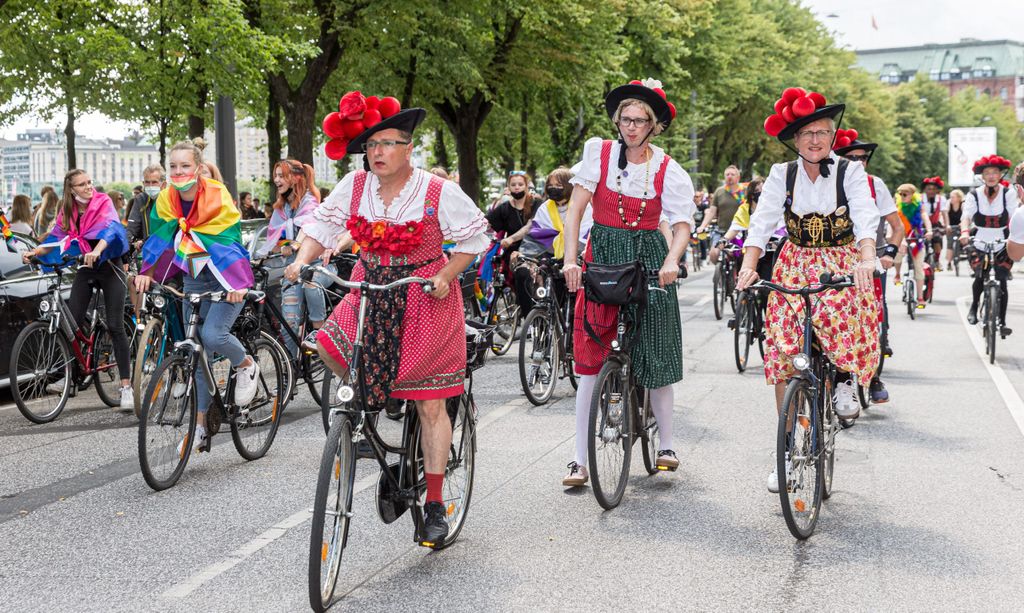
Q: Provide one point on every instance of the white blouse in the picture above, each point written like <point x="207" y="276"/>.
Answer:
<point x="883" y="198"/>
<point x="677" y="193"/>
<point x="813" y="197"/>
<point x="460" y="219"/>
<point x="995" y="207"/>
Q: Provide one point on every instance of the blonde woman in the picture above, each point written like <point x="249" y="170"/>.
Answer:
<point x="956" y="211"/>
<point x="918" y="229"/>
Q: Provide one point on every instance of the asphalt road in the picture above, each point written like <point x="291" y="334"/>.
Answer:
<point x="925" y="513"/>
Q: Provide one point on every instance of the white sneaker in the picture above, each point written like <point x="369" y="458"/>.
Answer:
<point x="846" y="403"/>
<point x="246" y="379"/>
<point x="309" y="343"/>
<point x="773" y="479"/>
<point x="127" y="399"/>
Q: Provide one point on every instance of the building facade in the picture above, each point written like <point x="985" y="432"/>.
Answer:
<point x="994" y="68"/>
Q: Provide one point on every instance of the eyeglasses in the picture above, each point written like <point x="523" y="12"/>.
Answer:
<point x="89" y="182"/>
<point x="857" y="158"/>
<point x="388" y="145"/>
<point x="639" y="122"/>
<point x="812" y="134"/>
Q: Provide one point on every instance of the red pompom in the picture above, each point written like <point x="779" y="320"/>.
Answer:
<point x="660" y="92"/>
<point x="352" y="104"/>
<point x="636" y="82"/>
<point x="818" y="99"/>
<point x="779" y="105"/>
<point x="774" y="124"/>
<point x="389" y="106"/>
<point x="787" y="114"/>
<point x="792" y="93"/>
<point x="335" y="148"/>
<point x="332" y="125"/>
<point x="842" y="141"/>
<point x="853" y="134"/>
<point x="371" y="118"/>
<point x="372" y="102"/>
<point x="351" y="128"/>
<point x="672" y="109"/>
<point x="1004" y="183"/>
<point x="802" y="107"/>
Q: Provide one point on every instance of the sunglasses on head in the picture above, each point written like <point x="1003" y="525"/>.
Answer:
<point x="517" y="173"/>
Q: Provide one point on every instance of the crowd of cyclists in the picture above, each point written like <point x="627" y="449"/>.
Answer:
<point x="608" y="239"/>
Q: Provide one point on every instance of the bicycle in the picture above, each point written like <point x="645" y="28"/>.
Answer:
<point x="958" y="250"/>
<point x="696" y="239"/>
<point x="545" y="344"/>
<point x="53" y="359"/>
<point x="991" y="297"/>
<point x="161" y="325"/>
<point x="169" y="410"/>
<point x="401" y="486"/>
<point x="620" y="413"/>
<point x="724" y="280"/>
<point x="909" y="283"/>
<point x="808" y="423"/>
<point x="748" y="324"/>
<point x="502" y="312"/>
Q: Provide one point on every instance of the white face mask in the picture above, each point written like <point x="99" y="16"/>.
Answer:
<point x="81" y="200"/>
<point x="152" y="191"/>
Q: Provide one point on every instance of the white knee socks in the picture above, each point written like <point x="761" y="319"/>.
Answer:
<point x="661" y="405"/>
<point x="584" y="395"/>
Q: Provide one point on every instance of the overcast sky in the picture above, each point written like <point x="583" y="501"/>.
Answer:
<point x="900" y="24"/>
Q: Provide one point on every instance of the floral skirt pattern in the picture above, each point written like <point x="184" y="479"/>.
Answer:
<point x="845" y="322"/>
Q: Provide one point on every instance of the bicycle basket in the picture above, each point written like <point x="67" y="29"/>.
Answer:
<point x="479" y="339"/>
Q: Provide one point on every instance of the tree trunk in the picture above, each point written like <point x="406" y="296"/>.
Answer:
<point x="69" y="133"/>
<point x="273" y="127"/>
<point x="464" y="118"/>
<point x="163" y="125"/>
<point x="300" y="122"/>
<point x="197" y="119"/>
<point x="440" y="150"/>
<point x="524" y="132"/>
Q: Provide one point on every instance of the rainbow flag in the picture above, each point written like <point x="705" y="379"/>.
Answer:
<point x="284" y="225"/>
<point x="5" y="226"/>
<point x="98" y="222"/>
<point x="209" y="237"/>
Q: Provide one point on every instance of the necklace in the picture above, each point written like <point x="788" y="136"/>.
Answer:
<point x="643" y="199"/>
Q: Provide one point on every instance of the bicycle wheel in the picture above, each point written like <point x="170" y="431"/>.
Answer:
<point x="273" y="337"/>
<point x="254" y="426"/>
<point x="648" y="433"/>
<point x="830" y="427"/>
<point x="956" y="257"/>
<point x="41" y="372"/>
<point x="798" y="444"/>
<point x="167" y="425"/>
<point x="504" y="316"/>
<point x="718" y="291"/>
<point x="863" y="395"/>
<point x="332" y="510"/>
<point x="329" y="397"/>
<point x="314" y="371"/>
<point x="458" y="474"/>
<point x="991" y="321"/>
<point x="910" y="297"/>
<point x="104" y="365"/>
<point x="151" y="351"/>
<point x="538" y="356"/>
<point x="742" y="331"/>
<point x="730" y="287"/>
<point x="610" y="434"/>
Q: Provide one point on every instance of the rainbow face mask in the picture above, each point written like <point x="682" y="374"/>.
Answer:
<point x="185" y="183"/>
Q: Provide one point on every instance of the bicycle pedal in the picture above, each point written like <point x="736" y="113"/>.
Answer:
<point x="670" y="469"/>
<point x="429" y="544"/>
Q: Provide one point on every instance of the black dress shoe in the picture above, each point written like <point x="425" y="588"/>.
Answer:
<point x="972" y="316"/>
<point x="435" y="525"/>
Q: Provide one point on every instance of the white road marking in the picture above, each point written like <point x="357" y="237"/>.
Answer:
<point x="704" y="300"/>
<point x="281" y="528"/>
<point x="1011" y="398"/>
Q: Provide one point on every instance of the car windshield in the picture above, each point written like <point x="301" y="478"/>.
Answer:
<point x="11" y="249"/>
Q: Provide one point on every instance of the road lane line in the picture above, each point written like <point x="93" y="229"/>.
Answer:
<point x="193" y="583"/>
<point x="704" y="300"/>
<point x="1011" y="398"/>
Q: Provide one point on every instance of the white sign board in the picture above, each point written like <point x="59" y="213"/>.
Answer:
<point x="965" y="146"/>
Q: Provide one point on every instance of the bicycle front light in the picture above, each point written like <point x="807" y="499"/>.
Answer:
<point x="44" y="306"/>
<point x="801" y="361"/>
<point x="542" y="292"/>
<point x="346" y="393"/>
<point x="159" y="302"/>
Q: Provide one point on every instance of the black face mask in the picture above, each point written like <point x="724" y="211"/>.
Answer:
<point x="755" y="197"/>
<point x="517" y="195"/>
<point x="554" y="192"/>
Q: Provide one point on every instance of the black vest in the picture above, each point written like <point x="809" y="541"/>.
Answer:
<point x="815" y="229"/>
<point x="1001" y="220"/>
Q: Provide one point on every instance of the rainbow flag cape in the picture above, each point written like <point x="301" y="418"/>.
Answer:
<point x="210" y="237"/>
<point x="284" y="225"/>
<point x="913" y="222"/>
<point x="98" y="222"/>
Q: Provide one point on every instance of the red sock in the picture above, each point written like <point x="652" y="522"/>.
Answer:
<point x="434" y="483"/>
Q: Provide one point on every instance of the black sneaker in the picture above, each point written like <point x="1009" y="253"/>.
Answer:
<point x="972" y="316"/>
<point x="435" y="525"/>
<point x="879" y="395"/>
<point x="1004" y="331"/>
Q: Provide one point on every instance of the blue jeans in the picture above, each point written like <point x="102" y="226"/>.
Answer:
<point x="215" y="331"/>
<point x="292" y="298"/>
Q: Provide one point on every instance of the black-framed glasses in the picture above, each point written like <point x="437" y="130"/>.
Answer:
<point x="639" y="122"/>
<point x="388" y="145"/>
<point x="858" y="158"/>
<point x="812" y="134"/>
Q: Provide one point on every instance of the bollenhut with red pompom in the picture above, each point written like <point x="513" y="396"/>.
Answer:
<point x="359" y="117"/>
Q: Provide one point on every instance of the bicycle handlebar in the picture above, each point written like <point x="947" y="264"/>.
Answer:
<point x="217" y="296"/>
<point x="307" y="275"/>
<point x="827" y="281"/>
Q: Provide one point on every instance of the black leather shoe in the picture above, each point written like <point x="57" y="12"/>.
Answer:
<point x="435" y="525"/>
<point x="1004" y="331"/>
<point x="972" y="316"/>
